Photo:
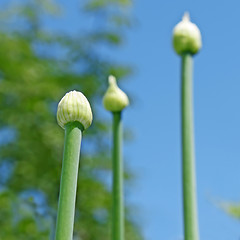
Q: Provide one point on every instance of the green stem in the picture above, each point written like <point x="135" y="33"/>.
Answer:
<point x="188" y="158"/>
<point x="117" y="191"/>
<point x="68" y="186"/>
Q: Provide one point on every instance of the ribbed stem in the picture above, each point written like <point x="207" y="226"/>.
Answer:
<point x="117" y="189"/>
<point x="188" y="158"/>
<point x="68" y="186"/>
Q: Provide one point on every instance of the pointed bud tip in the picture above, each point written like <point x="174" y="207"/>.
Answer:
<point x="112" y="80"/>
<point x="186" y="17"/>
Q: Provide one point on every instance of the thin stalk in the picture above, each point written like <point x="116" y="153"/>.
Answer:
<point x="117" y="189"/>
<point x="188" y="155"/>
<point x="68" y="186"/>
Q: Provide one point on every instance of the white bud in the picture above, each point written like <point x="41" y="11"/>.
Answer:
<point x="186" y="37"/>
<point x="114" y="100"/>
<point x="74" y="106"/>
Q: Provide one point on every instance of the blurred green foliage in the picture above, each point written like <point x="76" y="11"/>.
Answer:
<point x="37" y="67"/>
<point x="232" y="209"/>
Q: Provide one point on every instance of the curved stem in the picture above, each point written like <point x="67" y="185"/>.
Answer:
<point x="188" y="158"/>
<point x="117" y="189"/>
<point x="68" y="186"/>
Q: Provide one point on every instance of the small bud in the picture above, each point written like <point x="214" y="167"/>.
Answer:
<point x="74" y="106"/>
<point x="186" y="37"/>
<point x="114" y="100"/>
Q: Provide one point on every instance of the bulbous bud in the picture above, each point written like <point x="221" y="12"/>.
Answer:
<point x="114" y="100"/>
<point x="74" y="106"/>
<point x="186" y="37"/>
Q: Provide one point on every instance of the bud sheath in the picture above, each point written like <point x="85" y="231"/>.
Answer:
<point x="74" y="106"/>
<point x="114" y="100"/>
<point x="186" y="37"/>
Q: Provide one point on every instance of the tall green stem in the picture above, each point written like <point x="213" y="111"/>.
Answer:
<point x="66" y="205"/>
<point x="117" y="191"/>
<point x="188" y="158"/>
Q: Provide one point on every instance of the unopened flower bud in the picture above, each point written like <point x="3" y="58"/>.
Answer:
<point x="74" y="106"/>
<point x="186" y="37"/>
<point x="114" y="100"/>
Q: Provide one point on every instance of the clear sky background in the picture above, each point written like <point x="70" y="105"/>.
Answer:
<point x="154" y="116"/>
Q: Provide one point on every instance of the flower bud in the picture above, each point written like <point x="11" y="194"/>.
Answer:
<point x="114" y="100"/>
<point x="74" y="106"/>
<point x="186" y="37"/>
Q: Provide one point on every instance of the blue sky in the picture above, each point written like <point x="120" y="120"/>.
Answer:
<point x="155" y="153"/>
<point x="154" y="116"/>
